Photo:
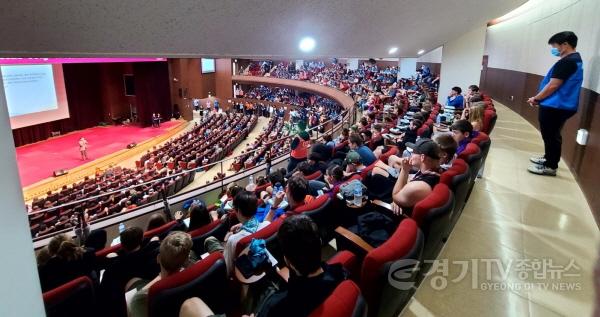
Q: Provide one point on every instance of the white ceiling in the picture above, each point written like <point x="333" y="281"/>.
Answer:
<point x="342" y="28"/>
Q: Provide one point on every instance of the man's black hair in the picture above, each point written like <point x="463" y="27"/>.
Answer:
<point x="462" y="126"/>
<point x="131" y="238"/>
<point x="564" y="37"/>
<point x="245" y="202"/>
<point x="298" y="187"/>
<point x="300" y="243"/>
<point x="356" y="139"/>
<point x="457" y="89"/>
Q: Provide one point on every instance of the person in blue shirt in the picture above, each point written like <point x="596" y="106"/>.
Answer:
<point x="455" y="99"/>
<point x="356" y="144"/>
<point x="558" y="100"/>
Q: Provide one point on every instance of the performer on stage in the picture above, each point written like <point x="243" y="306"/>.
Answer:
<point x="83" y="145"/>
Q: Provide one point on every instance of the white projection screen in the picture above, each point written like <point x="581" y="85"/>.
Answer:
<point x="34" y="93"/>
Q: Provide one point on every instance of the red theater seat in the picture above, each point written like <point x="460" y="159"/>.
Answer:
<point x="314" y="176"/>
<point x="393" y="150"/>
<point x="401" y="251"/>
<point x="75" y="298"/>
<point x="433" y="215"/>
<point x="207" y="279"/>
<point x="160" y="231"/>
<point x="489" y="121"/>
<point x="345" y="301"/>
<point x="268" y="233"/>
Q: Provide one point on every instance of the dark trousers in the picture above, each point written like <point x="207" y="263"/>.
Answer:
<point x="552" y="121"/>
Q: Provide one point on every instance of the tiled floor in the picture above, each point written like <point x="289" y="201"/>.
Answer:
<point x="522" y="220"/>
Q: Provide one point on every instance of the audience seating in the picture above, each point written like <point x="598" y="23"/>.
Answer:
<point x="405" y="244"/>
<point x="457" y="178"/>
<point x="345" y="301"/>
<point x="433" y="215"/>
<point x="75" y="298"/>
<point x="206" y="279"/>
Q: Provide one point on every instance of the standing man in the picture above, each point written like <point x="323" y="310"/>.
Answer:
<point x="558" y="99"/>
<point x="83" y="145"/>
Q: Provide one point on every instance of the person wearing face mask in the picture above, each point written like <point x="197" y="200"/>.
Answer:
<point x="558" y="100"/>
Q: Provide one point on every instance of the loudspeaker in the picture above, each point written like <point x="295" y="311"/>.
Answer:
<point x="60" y="172"/>
<point x="131" y="145"/>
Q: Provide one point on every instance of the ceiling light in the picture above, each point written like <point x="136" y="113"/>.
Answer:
<point x="393" y="50"/>
<point x="307" y="44"/>
<point x="421" y="52"/>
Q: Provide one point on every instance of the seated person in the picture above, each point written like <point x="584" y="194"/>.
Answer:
<point x="133" y="260"/>
<point x="173" y="257"/>
<point x="447" y="150"/>
<point x="296" y="194"/>
<point x="67" y="261"/>
<point x="199" y="215"/>
<point x="356" y="144"/>
<point x="354" y="164"/>
<point x="227" y="199"/>
<point x="455" y="99"/>
<point x="245" y="205"/>
<point x="462" y="132"/>
<point x="310" y="281"/>
<point x="410" y="135"/>
<point x="156" y="220"/>
<point x="377" y="139"/>
<point x="425" y="158"/>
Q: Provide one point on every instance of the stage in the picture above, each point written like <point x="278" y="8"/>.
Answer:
<point x="107" y="145"/>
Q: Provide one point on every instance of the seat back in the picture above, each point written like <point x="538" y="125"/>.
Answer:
<point x="314" y="176"/>
<point x="319" y="211"/>
<point x="74" y="298"/>
<point x="457" y="178"/>
<point x="483" y="141"/>
<point x="473" y="156"/>
<point x="217" y="229"/>
<point x="489" y="121"/>
<point x="207" y="279"/>
<point x="268" y="233"/>
<point x="161" y="231"/>
<point x="405" y="244"/>
<point x="345" y="301"/>
<point x="433" y="215"/>
<point x="385" y="156"/>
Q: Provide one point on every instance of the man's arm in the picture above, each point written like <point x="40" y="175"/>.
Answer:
<point x="548" y="90"/>
<point x="411" y="194"/>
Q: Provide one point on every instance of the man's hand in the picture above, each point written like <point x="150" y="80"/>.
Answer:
<point x="405" y="163"/>
<point x="235" y="228"/>
<point x="397" y="210"/>
<point x="532" y="101"/>
<point x="178" y="215"/>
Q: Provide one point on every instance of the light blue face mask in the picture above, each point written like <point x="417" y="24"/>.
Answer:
<point x="554" y="51"/>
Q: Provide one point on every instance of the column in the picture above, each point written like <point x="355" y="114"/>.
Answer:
<point x="20" y="291"/>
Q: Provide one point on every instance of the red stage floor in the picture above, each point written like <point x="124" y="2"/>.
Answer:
<point x="37" y="161"/>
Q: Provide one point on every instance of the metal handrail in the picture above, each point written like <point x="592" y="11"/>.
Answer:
<point x="183" y="172"/>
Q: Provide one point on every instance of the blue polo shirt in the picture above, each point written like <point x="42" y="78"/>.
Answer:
<point x="366" y="155"/>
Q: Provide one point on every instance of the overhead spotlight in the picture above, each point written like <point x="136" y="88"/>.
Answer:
<point x="421" y="52"/>
<point x="307" y="44"/>
<point x="393" y="50"/>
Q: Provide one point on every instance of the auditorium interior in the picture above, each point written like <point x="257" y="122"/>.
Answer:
<point x="300" y="158"/>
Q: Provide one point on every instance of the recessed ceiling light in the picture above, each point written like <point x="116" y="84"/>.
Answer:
<point x="393" y="50"/>
<point x="421" y="52"/>
<point x="307" y="44"/>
